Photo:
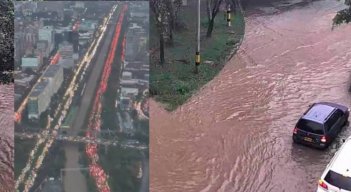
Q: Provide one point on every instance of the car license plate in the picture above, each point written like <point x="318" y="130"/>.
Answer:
<point x="308" y="139"/>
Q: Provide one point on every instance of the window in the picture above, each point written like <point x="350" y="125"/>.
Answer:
<point x="310" y="126"/>
<point x="339" y="113"/>
<point x="333" y="119"/>
<point x="338" y="180"/>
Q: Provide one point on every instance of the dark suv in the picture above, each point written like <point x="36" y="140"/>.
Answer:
<point x="320" y="124"/>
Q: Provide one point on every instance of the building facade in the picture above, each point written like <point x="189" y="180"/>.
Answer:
<point x="40" y="98"/>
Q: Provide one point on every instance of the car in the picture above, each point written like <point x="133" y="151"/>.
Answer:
<point x="320" y="124"/>
<point x="337" y="175"/>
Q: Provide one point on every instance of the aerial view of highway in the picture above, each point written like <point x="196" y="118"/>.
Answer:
<point x="81" y="88"/>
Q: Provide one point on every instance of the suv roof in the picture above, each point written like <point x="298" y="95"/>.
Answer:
<point x="341" y="163"/>
<point x="318" y="113"/>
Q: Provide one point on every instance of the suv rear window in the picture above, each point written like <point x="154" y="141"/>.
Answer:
<point x="310" y="126"/>
<point x="338" y="180"/>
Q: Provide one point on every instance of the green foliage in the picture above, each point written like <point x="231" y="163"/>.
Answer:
<point x="343" y="16"/>
<point x="174" y="83"/>
<point x="6" y="41"/>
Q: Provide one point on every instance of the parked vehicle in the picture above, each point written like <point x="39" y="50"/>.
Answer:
<point x="337" y="175"/>
<point x="320" y="124"/>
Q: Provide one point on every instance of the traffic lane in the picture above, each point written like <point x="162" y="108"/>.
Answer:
<point x="92" y="83"/>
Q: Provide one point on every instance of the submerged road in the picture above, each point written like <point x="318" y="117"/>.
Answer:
<point x="235" y="133"/>
<point x="6" y="138"/>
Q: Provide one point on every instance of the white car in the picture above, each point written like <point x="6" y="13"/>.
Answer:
<point x="337" y="175"/>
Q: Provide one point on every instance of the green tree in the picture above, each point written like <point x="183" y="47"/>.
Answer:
<point x="343" y="16"/>
<point x="212" y="10"/>
<point x="6" y="41"/>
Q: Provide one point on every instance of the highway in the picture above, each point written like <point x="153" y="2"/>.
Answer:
<point x="72" y="152"/>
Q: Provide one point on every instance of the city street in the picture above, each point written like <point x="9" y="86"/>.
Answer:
<point x="235" y="134"/>
<point x="83" y="112"/>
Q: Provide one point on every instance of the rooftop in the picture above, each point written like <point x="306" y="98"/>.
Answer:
<point x="318" y="113"/>
<point x="51" y="71"/>
<point x="39" y="88"/>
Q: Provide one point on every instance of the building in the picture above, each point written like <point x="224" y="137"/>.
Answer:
<point x="47" y="33"/>
<point x="40" y="97"/>
<point x="125" y="103"/>
<point x="54" y="74"/>
<point x="66" y="50"/>
<point x="129" y="92"/>
<point x="136" y="41"/>
<point x="80" y="4"/>
<point x="88" y="25"/>
<point x="52" y="6"/>
<point x="66" y="63"/>
<point x="25" y="82"/>
<point x="127" y="79"/>
<point x="38" y="100"/>
<point x="31" y="62"/>
<point x="43" y="47"/>
<point x="126" y="75"/>
<point x="67" y="53"/>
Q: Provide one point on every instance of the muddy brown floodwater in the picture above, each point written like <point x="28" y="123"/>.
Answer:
<point x="6" y="138"/>
<point x="235" y="133"/>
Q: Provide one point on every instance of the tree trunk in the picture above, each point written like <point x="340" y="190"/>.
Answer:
<point x="162" y="49"/>
<point x="170" y="36"/>
<point x="210" y="28"/>
<point x="209" y="10"/>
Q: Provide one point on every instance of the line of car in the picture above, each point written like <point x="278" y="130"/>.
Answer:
<point x="318" y="127"/>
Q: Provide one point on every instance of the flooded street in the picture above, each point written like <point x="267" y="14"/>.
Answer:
<point x="6" y="138"/>
<point x="235" y="134"/>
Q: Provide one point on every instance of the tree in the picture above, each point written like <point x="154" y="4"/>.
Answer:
<point x="212" y="10"/>
<point x="170" y="19"/>
<point x="160" y="12"/>
<point x="177" y="5"/>
<point x="6" y="40"/>
<point x="343" y="16"/>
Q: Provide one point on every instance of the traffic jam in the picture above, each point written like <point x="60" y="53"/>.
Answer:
<point x="95" y="170"/>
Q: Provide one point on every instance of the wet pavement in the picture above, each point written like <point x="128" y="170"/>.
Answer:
<point x="6" y="138"/>
<point x="235" y="133"/>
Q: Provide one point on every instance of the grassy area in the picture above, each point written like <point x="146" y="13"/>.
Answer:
<point x="175" y="82"/>
<point x="22" y="150"/>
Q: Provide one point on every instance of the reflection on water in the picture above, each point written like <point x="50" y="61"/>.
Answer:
<point x="235" y="134"/>
<point x="6" y="138"/>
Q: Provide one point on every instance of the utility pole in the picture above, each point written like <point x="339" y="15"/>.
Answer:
<point x="197" y="54"/>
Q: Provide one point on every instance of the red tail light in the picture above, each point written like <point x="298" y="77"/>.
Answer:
<point x="322" y="184"/>
<point x="295" y="130"/>
<point x="324" y="139"/>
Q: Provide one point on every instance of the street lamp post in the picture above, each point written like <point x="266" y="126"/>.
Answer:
<point x="228" y="16"/>
<point x="197" y="54"/>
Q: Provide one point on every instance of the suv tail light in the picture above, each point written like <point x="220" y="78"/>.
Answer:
<point x="295" y="130"/>
<point x="324" y="139"/>
<point x="322" y="184"/>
